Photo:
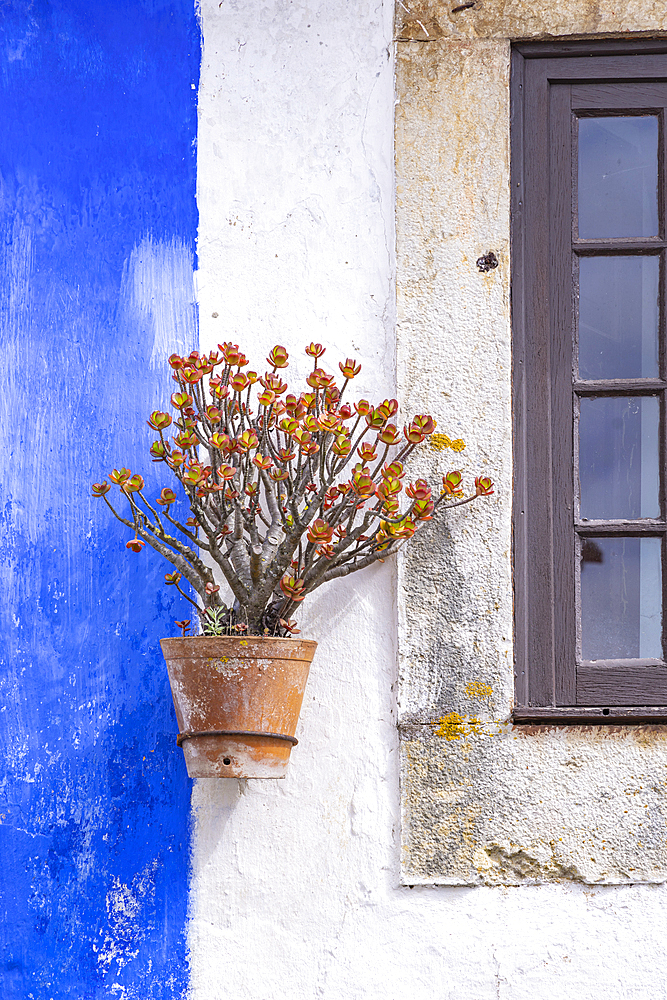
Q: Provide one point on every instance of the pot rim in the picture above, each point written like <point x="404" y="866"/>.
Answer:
<point x="237" y="638"/>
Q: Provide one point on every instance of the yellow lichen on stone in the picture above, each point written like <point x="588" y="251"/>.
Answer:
<point x="440" y="441"/>
<point x="457" y="727"/>
<point x="451" y="726"/>
<point x="477" y="689"/>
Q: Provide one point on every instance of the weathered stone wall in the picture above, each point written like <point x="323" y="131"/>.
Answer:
<point x="484" y="801"/>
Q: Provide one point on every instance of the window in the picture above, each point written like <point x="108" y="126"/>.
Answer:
<point x="589" y="186"/>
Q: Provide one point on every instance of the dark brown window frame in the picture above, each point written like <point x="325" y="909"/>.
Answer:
<point x="548" y="687"/>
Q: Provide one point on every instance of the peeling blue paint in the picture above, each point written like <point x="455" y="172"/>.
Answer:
<point x="97" y="244"/>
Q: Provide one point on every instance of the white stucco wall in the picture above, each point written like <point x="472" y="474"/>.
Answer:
<point x="296" y="884"/>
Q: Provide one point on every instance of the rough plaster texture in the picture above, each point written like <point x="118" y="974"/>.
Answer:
<point x="474" y="796"/>
<point x="296" y="884"/>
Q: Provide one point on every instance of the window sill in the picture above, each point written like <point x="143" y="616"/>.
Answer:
<point x="577" y="716"/>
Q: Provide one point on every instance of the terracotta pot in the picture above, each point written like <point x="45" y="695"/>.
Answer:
<point x="237" y="702"/>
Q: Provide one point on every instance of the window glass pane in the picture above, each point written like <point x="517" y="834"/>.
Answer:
<point x="618" y="177"/>
<point x="618" y="317"/>
<point x="621" y="598"/>
<point x="618" y="457"/>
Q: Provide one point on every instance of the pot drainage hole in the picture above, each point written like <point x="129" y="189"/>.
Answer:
<point x="226" y="760"/>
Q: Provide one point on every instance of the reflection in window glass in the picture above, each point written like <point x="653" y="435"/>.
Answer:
<point x="618" y="457"/>
<point x="621" y="598"/>
<point x="618" y="317"/>
<point x="618" y="177"/>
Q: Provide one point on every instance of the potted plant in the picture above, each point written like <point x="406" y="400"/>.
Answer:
<point x="284" y="492"/>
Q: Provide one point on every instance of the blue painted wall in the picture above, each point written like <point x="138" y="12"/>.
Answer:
<point x="97" y="242"/>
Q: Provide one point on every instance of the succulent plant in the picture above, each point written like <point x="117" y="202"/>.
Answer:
<point x="286" y="492"/>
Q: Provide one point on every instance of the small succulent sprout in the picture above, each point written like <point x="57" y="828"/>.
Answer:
<point x="329" y="422"/>
<point x="192" y="522"/>
<point x="214" y="414"/>
<point x="273" y="382"/>
<point x="388" y="408"/>
<point x="230" y="353"/>
<point x="319" y="379"/>
<point x="315" y="350"/>
<point x="135" y="545"/>
<point x="292" y="587"/>
<point x="363" y="407"/>
<point x="413" y="434"/>
<point x="289" y="425"/>
<point x="393" y="471"/>
<point x="119" y="476"/>
<point x="266" y="398"/>
<point x="212" y="588"/>
<point x="341" y="446"/>
<point x="166" y="497"/>
<point x="159" y="451"/>
<point x="133" y="484"/>
<point x="389" y="435"/>
<point x="405" y="529"/>
<point x="159" y="420"/>
<point x="279" y="475"/>
<point x="278" y="357"/>
<point x="349" y="369"/>
<point x="220" y="440"/>
<point x="483" y="486"/>
<point x="239" y="382"/>
<point x="247" y="441"/>
<point x="376" y="419"/>
<point x="176" y="361"/>
<point x="451" y="484"/>
<point x="180" y="400"/>
<point x="195" y="474"/>
<point x="184" y="626"/>
<point x="319" y="532"/>
<point x="422" y="510"/>
<point x="302" y="436"/>
<point x="289" y="625"/>
<point x="172" y="578"/>
<point x="388" y="488"/>
<point x="226" y="472"/>
<point x="419" y="490"/>
<point x="101" y="489"/>
<point x="362" y="483"/>
<point x="367" y="452"/>
<point x="187" y="440"/>
<point x="425" y="422"/>
<point x="219" y="391"/>
<point x="191" y="373"/>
